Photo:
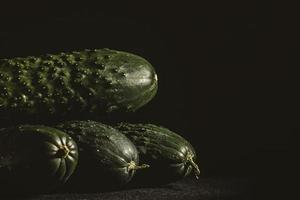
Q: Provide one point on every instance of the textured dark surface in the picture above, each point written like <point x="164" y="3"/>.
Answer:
<point x="188" y="189"/>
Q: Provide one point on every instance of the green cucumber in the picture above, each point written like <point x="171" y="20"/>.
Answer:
<point x="170" y="156"/>
<point x="35" y="158"/>
<point x="108" y="159"/>
<point x="89" y="84"/>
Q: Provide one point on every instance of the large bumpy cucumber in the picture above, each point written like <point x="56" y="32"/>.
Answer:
<point x="108" y="159"/>
<point x="88" y="83"/>
<point x="170" y="156"/>
<point x="35" y="158"/>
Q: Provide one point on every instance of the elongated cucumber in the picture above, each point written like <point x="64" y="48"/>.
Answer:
<point x="89" y="83"/>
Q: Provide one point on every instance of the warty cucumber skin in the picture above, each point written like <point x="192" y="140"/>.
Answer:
<point x="170" y="156"/>
<point x="87" y="83"/>
<point x="108" y="159"/>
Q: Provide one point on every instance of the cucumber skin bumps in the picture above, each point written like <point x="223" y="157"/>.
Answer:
<point x="84" y="84"/>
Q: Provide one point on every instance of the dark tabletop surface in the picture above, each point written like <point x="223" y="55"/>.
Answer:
<point x="189" y="189"/>
<point x="205" y="188"/>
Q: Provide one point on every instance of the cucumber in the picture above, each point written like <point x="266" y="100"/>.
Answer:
<point x="108" y="159"/>
<point x="35" y="158"/>
<point x="85" y="84"/>
<point x="170" y="156"/>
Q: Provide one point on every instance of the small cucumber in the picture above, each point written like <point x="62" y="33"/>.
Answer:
<point x="170" y="156"/>
<point x="108" y="159"/>
<point x="35" y="158"/>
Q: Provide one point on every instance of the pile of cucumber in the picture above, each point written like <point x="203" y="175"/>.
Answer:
<point x="58" y="142"/>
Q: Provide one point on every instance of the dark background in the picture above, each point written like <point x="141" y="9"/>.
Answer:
<point x="223" y="69"/>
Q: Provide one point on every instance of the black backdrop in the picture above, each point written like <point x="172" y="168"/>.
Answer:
<point x="222" y="67"/>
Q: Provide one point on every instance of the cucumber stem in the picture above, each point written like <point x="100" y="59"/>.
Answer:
<point x="143" y="166"/>
<point x="132" y="166"/>
<point x="194" y="165"/>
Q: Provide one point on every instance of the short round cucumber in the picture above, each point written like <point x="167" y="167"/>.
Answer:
<point x="84" y="84"/>
<point x="35" y="158"/>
